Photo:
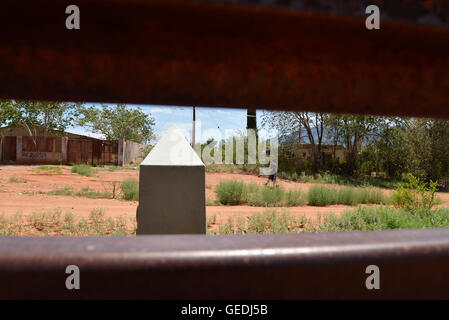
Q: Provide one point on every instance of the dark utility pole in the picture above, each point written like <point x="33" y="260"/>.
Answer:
<point x="193" y="129"/>
<point x="251" y="120"/>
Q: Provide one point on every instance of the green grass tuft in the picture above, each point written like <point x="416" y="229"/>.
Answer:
<point x="269" y="221"/>
<point x="48" y="169"/>
<point x="83" y="170"/>
<point x="325" y="195"/>
<point x="15" y="179"/>
<point x="66" y="191"/>
<point x="231" y="192"/>
<point x="88" y="193"/>
<point x="130" y="189"/>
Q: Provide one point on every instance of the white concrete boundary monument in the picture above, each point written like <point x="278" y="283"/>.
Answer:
<point x="171" y="188"/>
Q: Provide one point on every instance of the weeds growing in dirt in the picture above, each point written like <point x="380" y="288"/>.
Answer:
<point x="385" y="218"/>
<point x="16" y="179"/>
<point x="211" y="202"/>
<point x="269" y="221"/>
<point x="65" y="191"/>
<point x="235" y="225"/>
<point x="89" y="193"/>
<point x="83" y="170"/>
<point x="53" y="223"/>
<point x="48" y="169"/>
<point x="210" y="220"/>
<point x="85" y="192"/>
<point x="326" y="195"/>
<point x="232" y="168"/>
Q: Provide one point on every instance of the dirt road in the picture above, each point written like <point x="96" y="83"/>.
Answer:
<point x="29" y="195"/>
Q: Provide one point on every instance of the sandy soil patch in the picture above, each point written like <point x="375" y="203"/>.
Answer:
<point x="28" y="198"/>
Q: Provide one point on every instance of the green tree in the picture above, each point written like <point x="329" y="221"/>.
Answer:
<point x="397" y="155"/>
<point x="5" y="109"/>
<point x="118" y="122"/>
<point x="301" y="126"/>
<point x="439" y="136"/>
<point x="334" y="134"/>
<point x="38" y="117"/>
<point x="355" y="131"/>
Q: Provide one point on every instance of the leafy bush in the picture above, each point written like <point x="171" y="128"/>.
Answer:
<point x="82" y="170"/>
<point x="130" y="189"/>
<point x="415" y="195"/>
<point x="231" y="192"/>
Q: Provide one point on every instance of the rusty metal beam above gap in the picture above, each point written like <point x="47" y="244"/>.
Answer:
<point x="209" y="53"/>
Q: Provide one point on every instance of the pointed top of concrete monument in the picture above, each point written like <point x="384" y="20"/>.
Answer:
<point x="172" y="150"/>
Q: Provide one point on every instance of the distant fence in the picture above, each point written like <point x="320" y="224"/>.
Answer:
<point x="130" y="151"/>
<point x="92" y="151"/>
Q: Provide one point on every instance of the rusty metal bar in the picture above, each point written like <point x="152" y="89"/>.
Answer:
<point x="414" y="264"/>
<point x="230" y="53"/>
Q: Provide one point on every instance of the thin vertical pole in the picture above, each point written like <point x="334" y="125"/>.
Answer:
<point x="193" y="129"/>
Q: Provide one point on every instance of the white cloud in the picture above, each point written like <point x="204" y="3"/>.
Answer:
<point x="222" y="111"/>
<point x="161" y="110"/>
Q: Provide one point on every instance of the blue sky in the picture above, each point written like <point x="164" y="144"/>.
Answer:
<point x="211" y="122"/>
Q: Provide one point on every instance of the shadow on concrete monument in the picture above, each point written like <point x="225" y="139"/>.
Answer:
<point x="172" y="188"/>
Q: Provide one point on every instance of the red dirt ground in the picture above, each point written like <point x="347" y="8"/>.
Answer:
<point x="25" y="198"/>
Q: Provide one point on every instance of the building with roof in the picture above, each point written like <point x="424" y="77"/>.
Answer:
<point x="17" y="145"/>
